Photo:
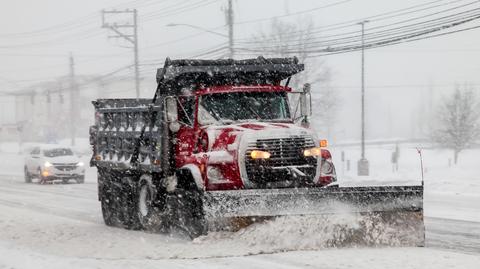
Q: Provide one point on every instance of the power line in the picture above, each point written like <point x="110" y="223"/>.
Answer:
<point x="295" y="13"/>
<point x="178" y="10"/>
<point x="310" y="42"/>
<point x="378" y="17"/>
<point x="380" y="37"/>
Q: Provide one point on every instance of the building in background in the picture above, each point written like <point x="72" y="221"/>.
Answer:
<point x="44" y="111"/>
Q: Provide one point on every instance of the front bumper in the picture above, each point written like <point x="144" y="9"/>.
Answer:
<point x="61" y="177"/>
<point x="311" y="201"/>
<point x="52" y="173"/>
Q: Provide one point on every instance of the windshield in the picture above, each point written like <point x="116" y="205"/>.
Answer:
<point x="58" y="152"/>
<point x="239" y="106"/>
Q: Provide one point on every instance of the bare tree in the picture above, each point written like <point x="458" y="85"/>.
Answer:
<point x="458" y="121"/>
<point x="279" y="41"/>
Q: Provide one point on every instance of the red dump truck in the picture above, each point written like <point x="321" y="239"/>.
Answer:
<point x="222" y="139"/>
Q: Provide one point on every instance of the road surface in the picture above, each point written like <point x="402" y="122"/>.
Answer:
<point x="63" y="221"/>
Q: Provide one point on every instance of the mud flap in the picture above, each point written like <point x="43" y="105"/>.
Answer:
<point x="184" y="211"/>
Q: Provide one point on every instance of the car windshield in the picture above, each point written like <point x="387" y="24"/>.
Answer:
<point x="239" y="106"/>
<point x="58" y="152"/>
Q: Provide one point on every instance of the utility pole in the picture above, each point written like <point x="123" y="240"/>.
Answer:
<point x="73" y="88"/>
<point x="127" y="31"/>
<point x="363" y="166"/>
<point x="229" y="16"/>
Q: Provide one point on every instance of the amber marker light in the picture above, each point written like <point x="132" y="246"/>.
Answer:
<point x="323" y="143"/>
<point x="258" y="154"/>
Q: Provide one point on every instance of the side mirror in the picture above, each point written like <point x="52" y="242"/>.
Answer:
<point x="171" y="108"/>
<point x="304" y="105"/>
<point x="306" y="101"/>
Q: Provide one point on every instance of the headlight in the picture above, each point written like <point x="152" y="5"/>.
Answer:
<point x="80" y="164"/>
<point x="258" y="154"/>
<point x="312" y="152"/>
<point x="47" y="164"/>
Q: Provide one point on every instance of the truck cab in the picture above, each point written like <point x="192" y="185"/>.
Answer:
<point x="248" y="137"/>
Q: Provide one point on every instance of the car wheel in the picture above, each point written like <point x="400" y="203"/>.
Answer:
<point x="41" y="178"/>
<point x="81" y="180"/>
<point x="28" y="177"/>
<point x="65" y="181"/>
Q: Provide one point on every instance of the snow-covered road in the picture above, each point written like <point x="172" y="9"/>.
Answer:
<point x="51" y="225"/>
<point x="60" y="226"/>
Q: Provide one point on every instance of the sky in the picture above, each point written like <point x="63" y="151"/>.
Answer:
<point x="402" y="81"/>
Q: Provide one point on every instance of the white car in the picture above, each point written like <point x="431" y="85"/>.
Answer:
<point x="53" y="162"/>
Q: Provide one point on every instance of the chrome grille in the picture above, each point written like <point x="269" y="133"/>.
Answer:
<point x="284" y="152"/>
<point x="65" y="167"/>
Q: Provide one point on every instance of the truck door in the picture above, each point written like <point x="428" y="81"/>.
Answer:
<point x="186" y="134"/>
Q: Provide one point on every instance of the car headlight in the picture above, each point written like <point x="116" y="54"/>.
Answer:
<point x="47" y="164"/>
<point x="80" y="164"/>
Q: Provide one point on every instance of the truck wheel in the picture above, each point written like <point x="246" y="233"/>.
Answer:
<point x="149" y="207"/>
<point x="28" y="177"/>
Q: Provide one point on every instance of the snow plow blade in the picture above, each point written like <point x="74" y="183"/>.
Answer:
<point x="311" y="201"/>
<point x="382" y="216"/>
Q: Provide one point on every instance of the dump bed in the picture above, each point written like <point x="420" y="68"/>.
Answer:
<point x="118" y="123"/>
<point x="177" y="74"/>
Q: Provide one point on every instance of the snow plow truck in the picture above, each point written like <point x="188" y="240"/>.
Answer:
<point x="222" y="139"/>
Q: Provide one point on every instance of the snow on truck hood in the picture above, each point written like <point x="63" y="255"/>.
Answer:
<point x="249" y="131"/>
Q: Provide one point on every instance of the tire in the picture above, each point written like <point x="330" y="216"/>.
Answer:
<point x="180" y="210"/>
<point x="65" y="181"/>
<point x="150" y="206"/>
<point x="28" y="177"/>
<point x="81" y="180"/>
<point x="41" y="179"/>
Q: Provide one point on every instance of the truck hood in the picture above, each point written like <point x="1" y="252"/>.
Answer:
<point x="221" y="136"/>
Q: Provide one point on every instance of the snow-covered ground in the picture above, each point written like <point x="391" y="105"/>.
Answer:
<point x="459" y="183"/>
<point x="58" y="226"/>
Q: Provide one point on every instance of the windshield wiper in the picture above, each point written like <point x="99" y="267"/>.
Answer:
<point x="254" y="112"/>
